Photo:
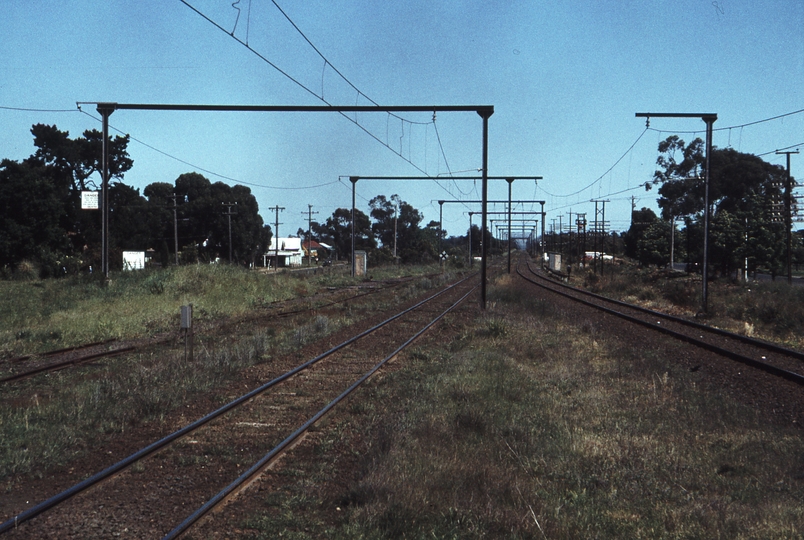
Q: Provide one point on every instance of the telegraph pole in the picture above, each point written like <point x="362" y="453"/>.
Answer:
<point x="175" y="229"/>
<point x="276" y="235"/>
<point x="229" y="214"/>
<point x="788" y="216"/>
<point x="309" y="232"/>
<point x="600" y="226"/>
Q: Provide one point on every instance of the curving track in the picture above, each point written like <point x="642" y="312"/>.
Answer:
<point x="184" y="475"/>
<point x="768" y="357"/>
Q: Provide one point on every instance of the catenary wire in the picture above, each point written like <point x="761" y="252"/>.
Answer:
<point x="213" y="173"/>
<point x="732" y="127"/>
<point x="311" y="92"/>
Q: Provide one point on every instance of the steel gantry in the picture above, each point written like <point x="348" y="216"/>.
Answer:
<point x="105" y="109"/>
<point x="484" y="202"/>
<point x="509" y="214"/>
<point x="509" y="201"/>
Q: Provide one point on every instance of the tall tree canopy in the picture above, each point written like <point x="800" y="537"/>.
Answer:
<point x="746" y="198"/>
<point x="735" y="179"/>
<point x="337" y="231"/>
<point x="40" y="197"/>
<point x="203" y="223"/>
<point x="79" y="158"/>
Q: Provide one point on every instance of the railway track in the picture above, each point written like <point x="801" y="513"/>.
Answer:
<point x="762" y="355"/>
<point x="167" y="486"/>
<point x="28" y="366"/>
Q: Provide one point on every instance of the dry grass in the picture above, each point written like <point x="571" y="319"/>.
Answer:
<point x="765" y="309"/>
<point x="530" y="426"/>
<point x="73" y="411"/>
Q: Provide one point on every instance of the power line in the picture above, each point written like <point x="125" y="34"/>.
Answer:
<point x="313" y="93"/>
<point x="24" y="109"/>
<point x="732" y="127"/>
<point x="202" y="169"/>
<point x="778" y="149"/>
<point x="599" y="178"/>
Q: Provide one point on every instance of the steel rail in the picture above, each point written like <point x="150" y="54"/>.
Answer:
<point x="161" y="443"/>
<point x="66" y="363"/>
<point x="768" y="368"/>
<point x="265" y="460"/>
<point x="772" y="347"/>
<point x="60" y="351"/>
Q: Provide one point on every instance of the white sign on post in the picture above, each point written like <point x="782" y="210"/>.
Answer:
<point x="90" y="200"/>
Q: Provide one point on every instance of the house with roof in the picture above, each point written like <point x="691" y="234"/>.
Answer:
<point x="315" y="250"/>
<point x="284" y="252"/>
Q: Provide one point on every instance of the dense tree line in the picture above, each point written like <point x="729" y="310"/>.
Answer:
<point x="42" y="223"/>
<point x="746" y="221"/>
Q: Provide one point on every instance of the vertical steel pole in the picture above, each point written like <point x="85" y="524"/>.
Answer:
<point x="484" y="206"/>
<point x="354" y="180"/>
<point x="471" y="256"/>
<point x="105" y="110"/>
<point x="510" y="182"/>
<point x="440" y="227"/>
<point x="788" y="222"/>
<point x="788" y="219"/>
<point x="175" y="229"/>
<point x="229" y="216"/>
<point x="544" y="218"/>
<point x="704" y="288"/>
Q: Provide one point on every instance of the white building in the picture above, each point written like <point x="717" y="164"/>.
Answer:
<point x="284" y="252"/>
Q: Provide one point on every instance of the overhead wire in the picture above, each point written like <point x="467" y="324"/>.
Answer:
<point x="732" y="127"/>
<point x="599" y="178"/>
<point x="25" y="109"/>
<point x="313" y="93"/>
<point x="207" y="171"/>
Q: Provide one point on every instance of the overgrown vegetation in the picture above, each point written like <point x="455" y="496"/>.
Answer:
<point x="533" y="426"/>
<point x="45" y="429"/>
<point x="770" y="310"/>
<point x="41" y="315"/>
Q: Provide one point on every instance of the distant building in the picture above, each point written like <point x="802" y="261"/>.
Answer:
<point x="284" y="252"/>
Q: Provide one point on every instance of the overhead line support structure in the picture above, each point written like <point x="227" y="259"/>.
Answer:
<point x="788" y="216"/>
<point x="709" y="119"/>
<point x="105" y="109"/>
<point x="509" y="179"/>
<point x="525" y="213"/>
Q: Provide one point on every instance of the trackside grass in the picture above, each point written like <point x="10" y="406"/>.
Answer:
<point x="770" y="310"/>
<point x="75" y="409"/>
<point x="529" y="425"/>
<point x="42" y="315"/>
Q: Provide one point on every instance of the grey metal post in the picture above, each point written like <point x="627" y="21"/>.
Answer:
<point x="229" y="215"/>
<point x="485" y="114"/>
<point x="543" y="220"/>
<point x="105" y="110"/>
<point x="440" y="227"/>
<point x="471" y="256"/>
<point x="354" y="180"/>
<point x="788" y="219"/>
<point x="705" y="287"/>
<point x="510" y="182"/>
<point x="175" y="229"/>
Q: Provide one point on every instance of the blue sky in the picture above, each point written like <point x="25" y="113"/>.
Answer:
<point x="565" y="78"/>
